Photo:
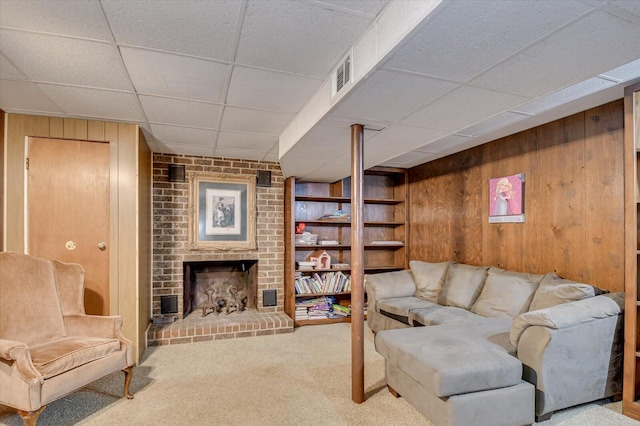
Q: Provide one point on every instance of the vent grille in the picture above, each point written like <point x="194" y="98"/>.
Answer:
<point x="341" y="76"/>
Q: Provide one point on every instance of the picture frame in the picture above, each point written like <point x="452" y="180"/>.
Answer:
<point x="506" y="199"/>
<point x="222" y="212"/>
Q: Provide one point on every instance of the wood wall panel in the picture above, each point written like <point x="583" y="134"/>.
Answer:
<point x="125" y="230"/>
<point x="2" y="221"/>
<point x="573" y="201"/>
<point x="604" y="166"/>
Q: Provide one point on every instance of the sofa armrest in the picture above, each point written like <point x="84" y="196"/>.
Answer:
<point x="93" y="325"/>
<point x="387" y="285"/>
<point x="573" y="352"/>
<point x="568" y="314"/>
<point x="18" y="353"/>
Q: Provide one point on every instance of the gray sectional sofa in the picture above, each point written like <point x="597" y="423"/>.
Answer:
<point x="472" y="345"/>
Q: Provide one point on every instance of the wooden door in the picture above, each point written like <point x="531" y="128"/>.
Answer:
<point x="68" y="210"/>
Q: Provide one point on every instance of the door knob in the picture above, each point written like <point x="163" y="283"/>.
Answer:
<point x="102" y="246"/>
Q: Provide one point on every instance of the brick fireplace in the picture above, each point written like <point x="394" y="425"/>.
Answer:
<point x="170" y="254"/>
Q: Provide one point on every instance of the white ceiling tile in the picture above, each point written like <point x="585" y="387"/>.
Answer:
<point x="246" y="141"/>
<point x="467" y="37"/>
<point x="7" y="70"/>
<point x="83" y="102"/>
<point x="462" y="107"/>
<point x="194" y="27"/>
<point x="78" y="18"/>
<point x="297" y="37"/>
<point x="565" y="95"/>
<point x="180" y="112"/>
<point x="245" y="154"/>
<point x="328" y="136"/>
<point x="391" y="96"/>
<point x="368" y="7"/>
<point x="186" y="149"/>
<point x="258" y="88"/>
<point x="552" y="63"/>
<point x="625" y="72"/>
<point x="255" y="121"/>
<point x="628" y="6"/>
<point x="25" y="96"/>
<point x="409" y="159"/>
<point x="272" y="155"/>
<point x="157" y="73"/>
<point x="54" y="59"/>
<point x="184" y="135"/>
<point x="494" y="123"/>
<point x="403" y="138"/>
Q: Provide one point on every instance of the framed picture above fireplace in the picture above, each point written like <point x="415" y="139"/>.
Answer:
<point x="222" y="212"/>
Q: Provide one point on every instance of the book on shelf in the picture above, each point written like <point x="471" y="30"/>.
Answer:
<point x="324" y="282"/>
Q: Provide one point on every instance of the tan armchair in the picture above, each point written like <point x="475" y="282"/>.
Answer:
<point x="48" y="346"/>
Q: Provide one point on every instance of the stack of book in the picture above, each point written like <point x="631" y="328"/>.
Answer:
<point x="315" y="308"/>
<point x="328" y="282"/>
<point x="342" y="311"/>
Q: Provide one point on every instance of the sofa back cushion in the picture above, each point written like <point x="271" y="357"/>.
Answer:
<point x="554" y="290"/>
<point x="462" y="285"/>
<point x="429" y="278"/>
<point x="506" y="293"/>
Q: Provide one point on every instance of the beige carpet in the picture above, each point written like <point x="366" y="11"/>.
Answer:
<point x="300" y="378"/>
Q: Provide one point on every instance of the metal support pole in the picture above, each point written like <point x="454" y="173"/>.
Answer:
<point x="357" y="264"/>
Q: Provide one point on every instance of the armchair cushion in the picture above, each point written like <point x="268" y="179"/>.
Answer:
<point x="56" y="357"/>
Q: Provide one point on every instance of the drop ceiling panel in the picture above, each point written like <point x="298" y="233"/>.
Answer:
<point x="467" y="37"/>
<point x="172" y="148"/>
<point x="157" y="73"/>
<point x="185" y="135"/>
<point x="328" y="136"/>
<point x="258" y="88"/>
<point x="246" y="154"/>
<point x="7" y="70"/>
<point x="25" y="96"/>
<point x="391" y="96"/>
<point x="629" y="6"/>
<point x="403" y="138"/>
<point x="181" y="112"/>
<point x="71" y="17"/>
<point x="197" y="28"/>
<point x="255" y="121"/>
<point x="83" y="102"/>
<point x="367" y="7"/>
<point x="246" y="141"/>
<point x="409" y="159"/>
<point x="462" y="107"/>
<point x="553" y="63"/>
<point x="297" y="37"/>
<point x="54" y="59"/>
<point x="625" y="72"/>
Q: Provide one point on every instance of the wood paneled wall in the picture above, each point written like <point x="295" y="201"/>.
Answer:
<point x="2" y="170"/>
<point x="574" y="201"/>
<point x="130" y="209"/>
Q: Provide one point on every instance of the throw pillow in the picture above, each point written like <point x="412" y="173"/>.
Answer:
<point x="554" y="290"/>
<point x="506" y="293"/>
<point x="462" y="285"/>
<point x="429" y="278"/>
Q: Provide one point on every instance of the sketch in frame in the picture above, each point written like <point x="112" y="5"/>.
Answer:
<point x="506" y="199"/>
<point x="222" y="212"/>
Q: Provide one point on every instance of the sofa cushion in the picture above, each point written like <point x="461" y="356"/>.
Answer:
<point x="506" y="293"/>
<point x="462" y="285"/>
<point x="61" y="355"/>
<point x="453" y="358"/>
<point x="399" y="307"/>
<point x="429" y="278"/>
<point x="438" y="314"/>
<point x="554" y="290"/>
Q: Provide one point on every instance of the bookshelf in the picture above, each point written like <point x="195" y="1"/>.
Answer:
<point x="385" y="232"/>
<point x="631" y="389"/>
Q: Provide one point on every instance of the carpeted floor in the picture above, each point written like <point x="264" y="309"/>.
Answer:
<point x="300" y="378"/>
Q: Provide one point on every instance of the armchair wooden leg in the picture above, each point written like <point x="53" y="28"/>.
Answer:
<point x="30" y="418"/>
<point x="128" y="374"/>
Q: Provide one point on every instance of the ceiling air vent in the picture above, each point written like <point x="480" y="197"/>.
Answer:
<point x="341" y="76"/>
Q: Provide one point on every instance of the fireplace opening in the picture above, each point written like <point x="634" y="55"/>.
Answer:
<point x="225" y="287"/>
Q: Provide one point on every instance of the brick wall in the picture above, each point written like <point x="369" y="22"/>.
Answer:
<point x="171" y="221"/>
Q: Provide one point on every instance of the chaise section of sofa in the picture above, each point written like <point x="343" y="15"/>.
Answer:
<point x="563" y="336"/>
